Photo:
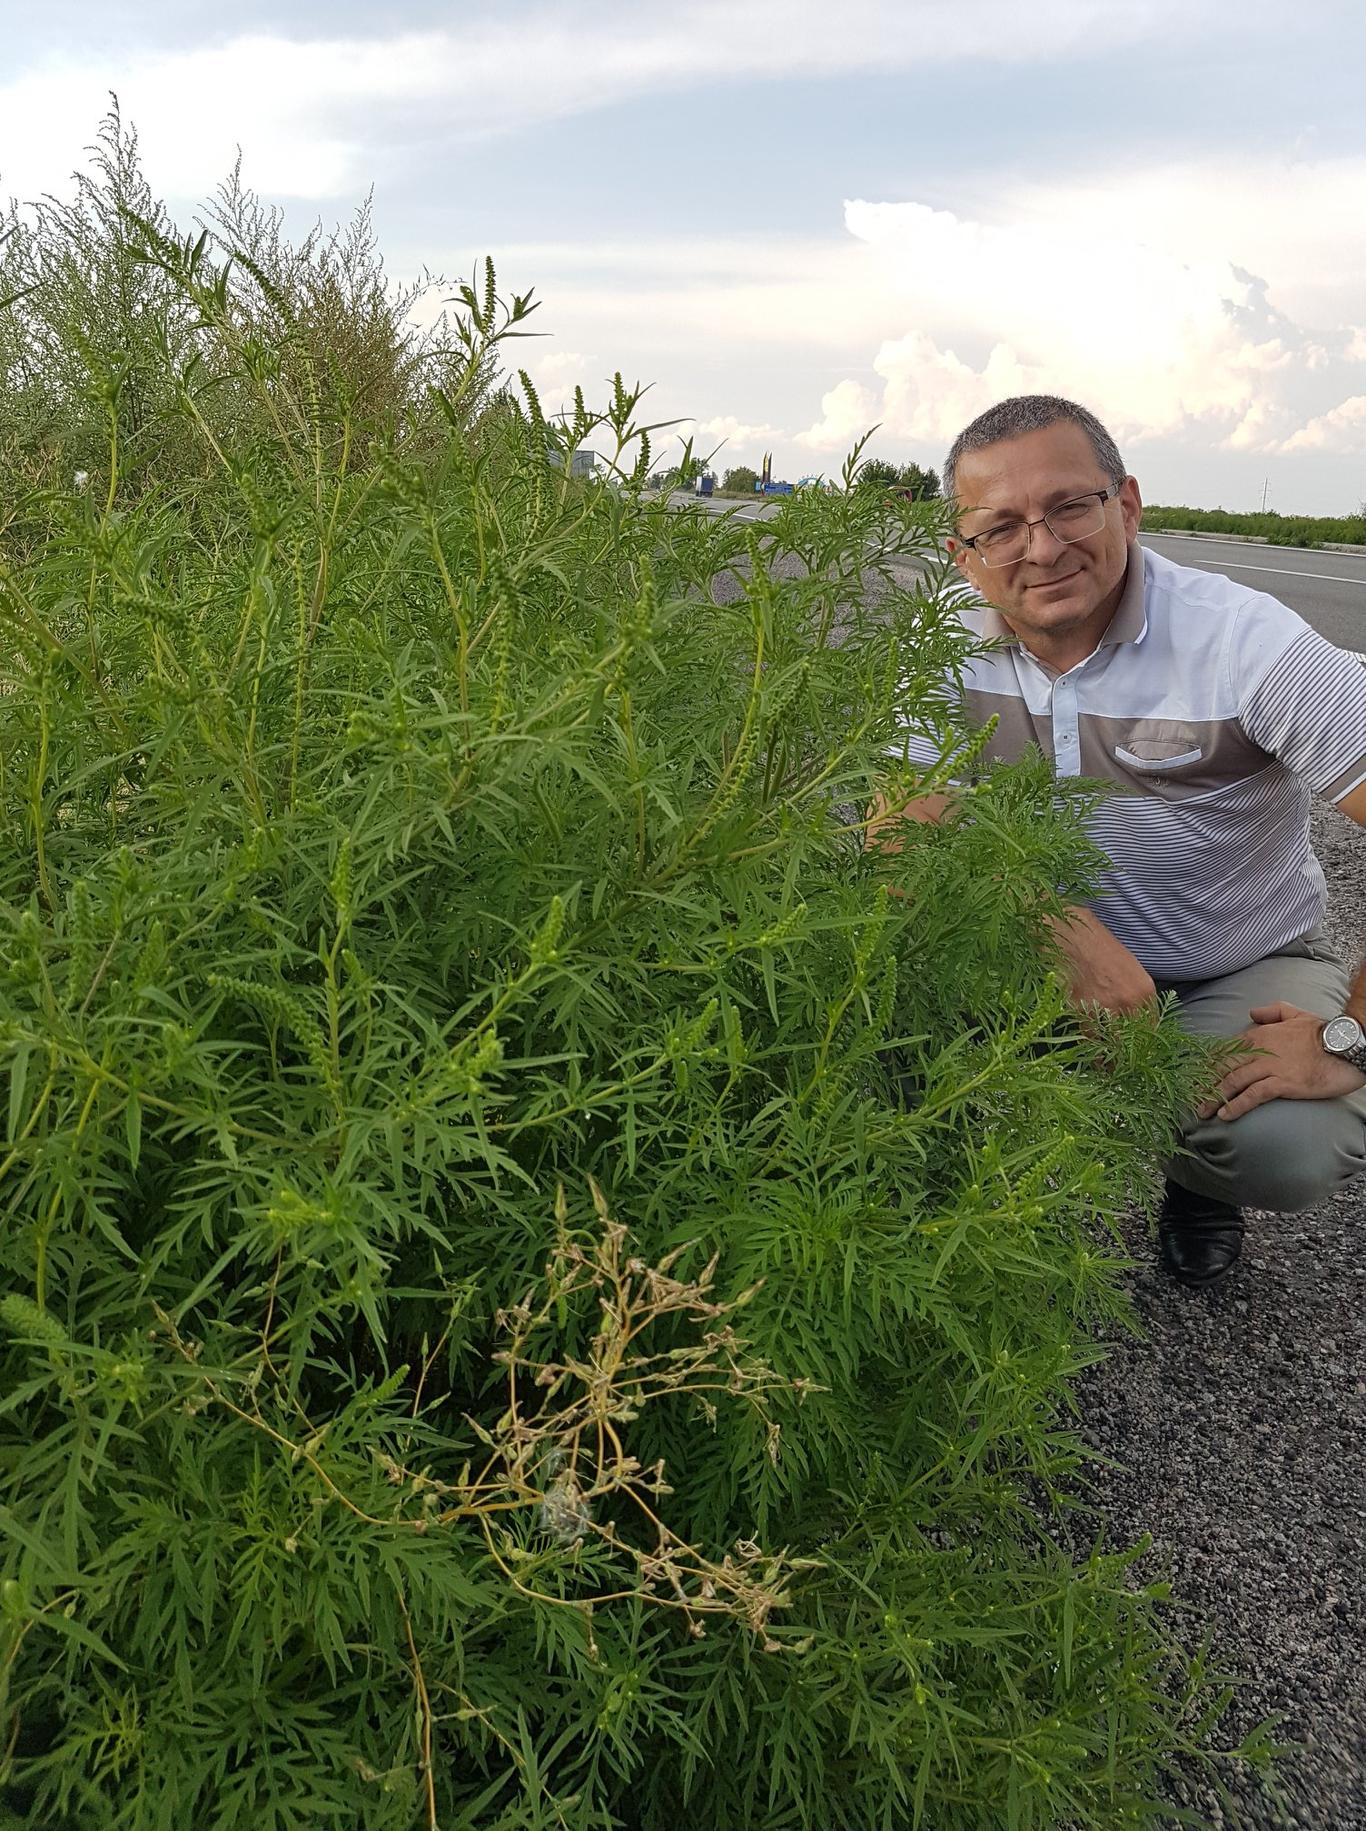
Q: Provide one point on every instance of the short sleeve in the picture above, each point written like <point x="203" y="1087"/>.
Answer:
<point x="1300" y="698"/>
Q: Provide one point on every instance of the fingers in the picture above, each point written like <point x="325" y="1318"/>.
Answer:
<point x="1279" y="1013"/>
<point x="1256" y="1095"/>
<point x="1233" y="1091"/>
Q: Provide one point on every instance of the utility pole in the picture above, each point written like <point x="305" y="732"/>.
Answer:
<point x="1265" y="481"/>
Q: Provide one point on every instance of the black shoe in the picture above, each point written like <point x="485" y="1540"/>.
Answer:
<point x="1200" y="1238"/>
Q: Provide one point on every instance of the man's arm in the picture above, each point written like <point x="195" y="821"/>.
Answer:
<point x="1100" y="969"/>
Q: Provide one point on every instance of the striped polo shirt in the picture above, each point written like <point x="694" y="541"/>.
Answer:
<point x="1215" y="711"/>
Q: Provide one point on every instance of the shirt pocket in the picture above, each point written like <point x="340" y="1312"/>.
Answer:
<point x="1157" y="765"/>
<point x="1160" y="747"/>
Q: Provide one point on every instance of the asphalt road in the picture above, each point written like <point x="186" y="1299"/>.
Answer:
<point x="1327" y="589"/>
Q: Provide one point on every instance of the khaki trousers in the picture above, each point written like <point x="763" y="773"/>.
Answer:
<point x="1288" y="1154"/>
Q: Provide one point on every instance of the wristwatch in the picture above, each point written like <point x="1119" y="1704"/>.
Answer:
<point x="1343" y="1036"/>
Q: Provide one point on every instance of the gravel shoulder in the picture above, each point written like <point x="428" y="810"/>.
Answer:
<point x="1240" y="1422"/>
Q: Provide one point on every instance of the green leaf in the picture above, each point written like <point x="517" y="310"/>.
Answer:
<point x="18" y="1080"/>
<point x="132" y="1125"/>
<point x="56" y="1621"/>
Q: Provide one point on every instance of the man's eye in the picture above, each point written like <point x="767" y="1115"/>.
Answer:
<point x="994" y="536"/>
<point x="1073" y="511"/>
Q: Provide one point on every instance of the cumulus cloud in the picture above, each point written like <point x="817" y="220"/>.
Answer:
<point x="846" y="411"/>
<point x="1060" y="294"/>
<point x="725" y="429"/>
<point x="1342" y="428"/>
<point x="555" y="374"/>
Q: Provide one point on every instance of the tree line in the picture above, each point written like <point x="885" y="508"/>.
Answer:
<point x="921" y="481"/>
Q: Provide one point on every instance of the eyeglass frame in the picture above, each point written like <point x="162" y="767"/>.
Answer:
<point x="1109" y="494"/>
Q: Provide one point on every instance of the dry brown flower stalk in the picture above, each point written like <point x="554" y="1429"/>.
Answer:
<point x="559" y="1454"/>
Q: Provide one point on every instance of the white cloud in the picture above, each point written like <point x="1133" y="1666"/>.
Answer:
<point x="919" y="318"/>
<point x="1060" y="293"/>
<point x="315" y="115"/>
<point x="724" y="429"/>
<point x="554" y="374"/>
<point x="848" y="410"/>
<point x="1341" y="429"/>
<point x="1297" y="221"/>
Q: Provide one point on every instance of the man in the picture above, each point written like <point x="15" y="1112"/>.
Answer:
<point x="1216" y="711"/>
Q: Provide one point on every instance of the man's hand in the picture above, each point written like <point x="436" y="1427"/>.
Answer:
<point x="1100" y="969"/>
<point x="884" y="820"/>
<point x="1294" y="1065"/>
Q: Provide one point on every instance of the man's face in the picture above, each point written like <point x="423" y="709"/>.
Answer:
<point x="1059" y="589"/>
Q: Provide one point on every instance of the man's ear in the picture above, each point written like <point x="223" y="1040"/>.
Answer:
<point x="958" y="553"/>
<point x="1130" y="507"/>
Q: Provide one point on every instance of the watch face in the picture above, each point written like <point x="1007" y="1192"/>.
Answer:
<point x="1341" y="1033"/>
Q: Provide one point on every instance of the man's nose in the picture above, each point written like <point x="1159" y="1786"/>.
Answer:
<point x="1044" y="545"/>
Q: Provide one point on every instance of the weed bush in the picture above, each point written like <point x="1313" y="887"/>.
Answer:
<point x="1281" y="530"/>
<point x="540" y="1279"/>
<point x="101" y="350"/>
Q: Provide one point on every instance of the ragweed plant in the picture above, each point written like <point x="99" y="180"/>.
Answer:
<point x="541" y="1277"/>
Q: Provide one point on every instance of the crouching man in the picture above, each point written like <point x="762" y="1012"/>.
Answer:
<point x="1217" y="711"/>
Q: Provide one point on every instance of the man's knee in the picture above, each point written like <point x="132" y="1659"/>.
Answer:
<point x="1285" y="1156"/>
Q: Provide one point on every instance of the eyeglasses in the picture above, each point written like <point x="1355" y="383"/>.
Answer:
<point x="1008" y="542"/>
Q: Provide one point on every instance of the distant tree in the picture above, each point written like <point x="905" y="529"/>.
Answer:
<point x="740" y="477"/>
<point x="922" y="483"/>
<point x="878" y="471"/>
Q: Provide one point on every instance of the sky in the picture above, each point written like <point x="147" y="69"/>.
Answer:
<point x="798" y="220"/>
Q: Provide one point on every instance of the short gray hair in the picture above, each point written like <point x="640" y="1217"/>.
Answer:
<point x="1031" y="413"/>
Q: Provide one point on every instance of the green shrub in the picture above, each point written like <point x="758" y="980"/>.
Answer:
<point x="740" y="480"/>
<point x="100" y="349"/>
<point x="1281" y="530"/>
<point x="542" y="1280"/>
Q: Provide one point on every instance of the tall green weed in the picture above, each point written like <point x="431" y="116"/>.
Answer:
<point x="541" y="1279"/>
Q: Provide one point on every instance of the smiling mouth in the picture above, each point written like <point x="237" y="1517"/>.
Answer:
<point x="1047" y="584"/>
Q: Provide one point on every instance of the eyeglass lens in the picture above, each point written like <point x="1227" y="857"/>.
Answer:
<point x="1004" y="545"/>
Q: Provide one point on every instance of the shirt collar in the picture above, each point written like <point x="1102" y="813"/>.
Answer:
<point x="1129" y="623"/>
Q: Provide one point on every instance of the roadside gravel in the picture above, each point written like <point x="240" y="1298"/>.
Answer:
<point x="1241" y="1425"/>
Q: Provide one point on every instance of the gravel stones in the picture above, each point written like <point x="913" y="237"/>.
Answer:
<point x="1241" y="1425"/>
